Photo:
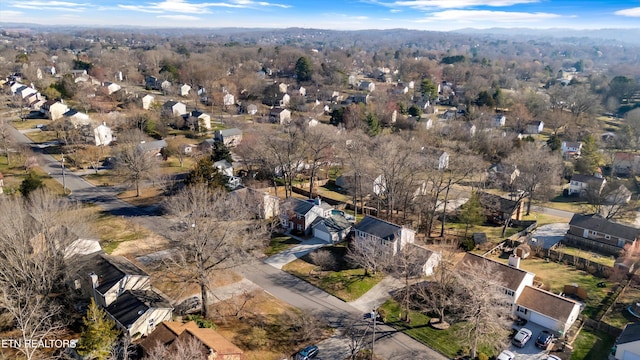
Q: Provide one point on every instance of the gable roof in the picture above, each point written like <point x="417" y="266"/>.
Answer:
<point x="213" y="340"/>
<point x="546" y="303"/>
<point x="132" y="304"/>
<point x="512" y="277"/>
<point x="110" y="269"/>
<point x="495" y="202"/>
<point x="333" y="224"/>
<point x="598" y="223"/>
<point x="168" y="331"/>
<point x="229" y="132"/>
<point x="378" y="227"/>
<point x="301" y="206"/>
<point x="152" y="145"/>
<point x="587" y="179"/>
<point x="631" y="333"/>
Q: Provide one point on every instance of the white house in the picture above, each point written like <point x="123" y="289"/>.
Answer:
<point x="174" y="108"/>
<point x="263" y="204"/>
<point x="571" y="148"/>
<point x="184" y="89"/>
<point x="282" y="87"/>
<point x="224" y="167"/>
<point x="297" y="214"/>
<point x="112" y="275"/>
<point x="252" y="109"/>
<point x="627" y="345"/>
<point x="279" y="115"/>
<point x="429" y="259"/>
<point x="332" y="229"/>
<point x="229" y="137"/>
<point x="54" y="110"/>
<point x="499" y="120"/>
<point x="200" y="120"/>
<point x="76" y="118"/>
<point x="579" y="184"/>
<point x="366" y="86"/>
<point x="103" y="135"/>
<point x="147" y="101"/>
<point x="228" y="100"/>
<point x="394" y="237"/>
<point x="438" y="158"/>
<point x="111" y="87"/>
<point x="535" y="127"/>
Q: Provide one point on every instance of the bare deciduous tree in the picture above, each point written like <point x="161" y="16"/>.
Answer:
<point x="436" y="295"/>
<point x="6" y="139"/>
<point x="318" y="141"/>
<point x="133" y="163"/>
<point x="34" y="239"/>
<point x="191" y="349"/>
<point x="373" y="255"/>
<point x="217" y="232"/>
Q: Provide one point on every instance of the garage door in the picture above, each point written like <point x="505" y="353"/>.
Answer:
<point x="324" y="236"/>
<point x="543" y="321"/>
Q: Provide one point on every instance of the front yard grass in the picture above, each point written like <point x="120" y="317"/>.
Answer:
<point x="555" y="276"/>
<point x="566" y="203"/>
<point x="346" y="283"/>
<point x="280" y="243"/>
<point x="592" y="345"/>
<point x="114" y="230"/>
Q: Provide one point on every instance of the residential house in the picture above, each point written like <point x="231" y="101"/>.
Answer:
<point x="111" y="87"/>
<point x="1" y="183"/>
<point x="47" y="70"/>
<point x="366" y="86"/>
<point x="299" y="215"/>
<point x="627" y="345"/>
<point x="279" y="115"/>
<point x="228" y="100"/>
<point x="579" y="184"/>
<point x="600" y="234"/>
<point x="625" y="164"/>
<point x="502" y="175"/>
<point x="282" y="87"/>
<point x="211" y="344"/>
<point x="198" y="120"/>
<point x="499" y="120"/>
<point x="357" y="99"/>
<point x="103" y="135"/>
<point x="394" y="237"/>
<point x="332" y="229"/>
<point x="428" y="259"/>
<point x="54" y="110"/>
<point x="252" y="109"/>
<point x="498" y="209"/>
<point x="535" y="127"/>
<point x="25" y="91"/>
<point x="147" y="101"/>
<point x="547" y="309"/>
<point x="264" y="205"/>
<point x="78" y="73"/>
<point x="174" y="108"/>
<point x="184" y="89"/>
<point x="427" y="122"/>
<point x="152" y="148"/>
<point x="229" y="137"/>
<point x="439" y="159"/>
<point x="618" y="196"/>
<point x="570" y="149"/>
<point x="76" y="118"/>
<point x="152" y="83"/>
<point x="123" y="290"/>
<point x="224" y="167"/>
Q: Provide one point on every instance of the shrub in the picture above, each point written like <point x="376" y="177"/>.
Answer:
<point x="483" y="356"/>
<point x="324" y="259"/>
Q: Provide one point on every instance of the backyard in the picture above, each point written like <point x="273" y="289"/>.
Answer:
<point x="619" y="315"/>
<point x="592" y="345"/>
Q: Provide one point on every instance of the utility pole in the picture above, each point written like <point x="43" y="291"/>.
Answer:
<point x="64" y="184"/>
<point x="374" y="314"/>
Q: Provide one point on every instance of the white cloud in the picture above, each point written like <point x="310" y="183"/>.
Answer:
<point x="50" y="5"/>
<point x="451" y="4"/>
<point x="183" y="6"/>
<point x="180" y="17"/>
<point x="632" y="12"/>
<point x="488" y="16"/>
<point x="6" y="14"/>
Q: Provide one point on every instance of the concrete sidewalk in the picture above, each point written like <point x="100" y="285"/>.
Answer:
<point x="306" y="246"/>
<point x="377" y="295"/>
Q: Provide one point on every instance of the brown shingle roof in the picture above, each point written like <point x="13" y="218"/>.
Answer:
<point x="546" y="303"/>
<point x="213" y="340"/>
<point x="511" y="277"/>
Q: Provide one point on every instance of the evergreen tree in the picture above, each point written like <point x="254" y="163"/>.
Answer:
<point x="471" y="213"/>
<point x="415" y="111"/>
<point x="99" y="334"/>
<point x="428" y="89"/>
<point x="221" y="152"/>
<point x="30" y="183"/>
<point x="373" y="125"/>
<point x="303" y="69"/>
<point x="554" y="143"/>
<point x="205" y="173"/>
<point x="590" y="157"/>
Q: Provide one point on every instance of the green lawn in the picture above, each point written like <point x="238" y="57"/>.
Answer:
<point x="593" y="257"/>
<point x="619" y="316"/>
<point x="592" y="345"/>
<point x="572" y="204"/>
<point x="345" y="283"/>
<point x="280" y="243"/>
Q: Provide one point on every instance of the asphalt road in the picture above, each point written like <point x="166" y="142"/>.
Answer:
<point x="389" y="343"/>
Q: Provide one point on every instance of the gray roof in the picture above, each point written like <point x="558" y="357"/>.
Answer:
<point x="222" y="164"/>
<point x="334" y="224"/>
<point x="598" y="223"/>
<point x="229" y="132"/>
<point x="511" y="277"/>
<point x="132" y="304"/>
<point x="378" y="227"/>
<point x="152" y="145"/>
<point x="587" y="178"/>
<point x="110" y="269"/>
<point x="631" y="333"/>
<point x="302" y="206"/>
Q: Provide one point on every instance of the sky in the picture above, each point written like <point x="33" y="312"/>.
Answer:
<point x="435" y="15"/>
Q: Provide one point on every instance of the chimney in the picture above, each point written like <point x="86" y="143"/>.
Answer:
<point x="514" y="261"/>
<point x="94" y="279"/>
<point x="318" y="201"/>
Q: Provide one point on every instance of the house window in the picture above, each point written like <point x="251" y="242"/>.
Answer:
<point x="522" y="310"/>
<point x="299" y="217"/>
<point x="151" y="324"/>
<point x="76" y="283"/>
<point x="607" y="237"/>
<point x="509" y="292"/>
<point x="593" y="232"/>
<point x="300" y="227"/>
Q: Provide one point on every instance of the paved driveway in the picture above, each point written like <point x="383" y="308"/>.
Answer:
<point x="530" y="351"/>
<point x="281" y="259"/>
<point x="549" y="235"/>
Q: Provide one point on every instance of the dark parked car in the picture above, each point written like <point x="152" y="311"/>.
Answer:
<point x="544" y="339"/>
<point x="521" y="338"/>
<point x="307" y="353"/>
